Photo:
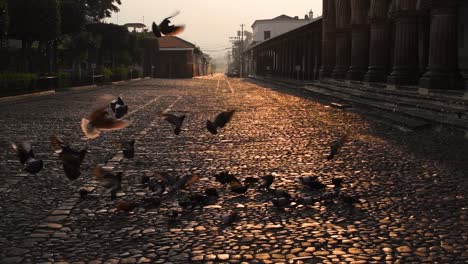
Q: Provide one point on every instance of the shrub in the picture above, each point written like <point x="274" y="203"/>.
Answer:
<point x="120" y="73"/>
<point x="11" y="83"/>
<point x="107" y="73"/>
<point x="64" y="79"/>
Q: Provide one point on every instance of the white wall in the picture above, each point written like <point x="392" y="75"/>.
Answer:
<point x="276" y="27"/>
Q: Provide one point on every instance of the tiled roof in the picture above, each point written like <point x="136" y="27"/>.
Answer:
<point x="174" y="42"/>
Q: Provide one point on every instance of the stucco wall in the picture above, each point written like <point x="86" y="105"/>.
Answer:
<point x="276" y="27"/>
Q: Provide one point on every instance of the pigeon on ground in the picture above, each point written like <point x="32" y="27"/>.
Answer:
<point x="25" y="155"/>
<point x="98" y="121"/>
<point x="281" y="202"/>
<point x="229" y="218"/>
<point x="251" y="180"/>
<point x="156" y="186"/>
<point x="312" y="182"/>
<point x="128" y="148"/>
<point x="307" y="200"/>
<point x="151" y="202"/>
<point x="172" y="214"/>
<point x="176" y="121"/>
<point x="212" y="192"/>
<point x="184" y="181"/>
<point x="220" y="121"/>
<point x="145" y="180"/>
<point x="119" y="108"/>
<point x="199" y="199"/>
<point x="126" y="206"/>
<point x="349" y="200"/>
<point x="71" y="159"/>
<point x="83" y="193"/>
<point x="267" y="181"/>
<point x="166" y="29"/>
<point x="335" y="146"/>
<point x="108" y="180"/>
<point x="337" y="182"/>
<point x="225" y="178"/>
<point x="240" y="189"/>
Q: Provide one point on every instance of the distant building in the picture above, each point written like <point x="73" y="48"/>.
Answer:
<point x="178" y="58"/>
<point x="135" y="27"/>
<point x="264" y="29"/>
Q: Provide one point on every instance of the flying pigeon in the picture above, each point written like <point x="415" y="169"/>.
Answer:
<point x="220" y="121"/>
<point x="166" y="29"/>
<point x="25" y="155"/>
<point x="119" y="108"/>
<point x="71" y="159"/>
<point x="98" y="121"/>
<point x="176" y="121"/>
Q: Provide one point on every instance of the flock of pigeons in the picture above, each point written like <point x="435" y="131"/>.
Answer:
<point x="163" y="185"/>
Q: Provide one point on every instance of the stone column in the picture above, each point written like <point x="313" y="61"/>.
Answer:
<point x="379" y="50"/>
<point x="405" y="65"/>
<point x="343" y="42"/>
<point x="441" y="71"/>
<point x="328" y="38"/>
<point x="317" y="58"/>
<point x="359" y="39"/>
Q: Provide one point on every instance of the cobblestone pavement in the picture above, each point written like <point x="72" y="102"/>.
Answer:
<point x="412" y="185"/>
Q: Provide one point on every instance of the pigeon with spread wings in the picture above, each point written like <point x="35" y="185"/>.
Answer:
<point x="220" y="121"/>
<point x="71" y="158"/>
<point x="25" y="155"/>
<point x="98" y="121"/>
<point x="176" y="121"/>
<point x="165" y="28"/>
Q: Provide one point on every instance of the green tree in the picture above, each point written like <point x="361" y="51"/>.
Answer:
<point x="97" y="10"/>
<point x="4" y="19"/>
<point x="113" y="41"/>
<point x="34" y="20"/>
<point x="73" y="16"/>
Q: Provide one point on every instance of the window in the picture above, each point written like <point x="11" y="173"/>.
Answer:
<point x="266" y="35"/>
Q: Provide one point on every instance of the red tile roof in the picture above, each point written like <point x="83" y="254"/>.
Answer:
<point x="174" y="42"/>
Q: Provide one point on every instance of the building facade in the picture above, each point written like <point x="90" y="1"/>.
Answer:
<point x="398" y="42"/>
<point x="178" y="58"/>
<point x="269" y="28"/>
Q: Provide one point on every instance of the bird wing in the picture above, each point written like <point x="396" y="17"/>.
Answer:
<point x="108" y="124"/>
<point x="57" y="143"/>
<point x="172" y="30"/>
<point x="156" y="30"/>
<point x="97" y="114"/>
<point x="173" y="119"/>
<point x="223" y="118"/>
<point x="23" y="151"/>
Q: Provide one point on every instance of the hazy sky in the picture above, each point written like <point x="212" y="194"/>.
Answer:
<point x="210" y="23"/>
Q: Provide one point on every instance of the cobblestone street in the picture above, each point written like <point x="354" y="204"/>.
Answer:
<point x="411" y="185"/>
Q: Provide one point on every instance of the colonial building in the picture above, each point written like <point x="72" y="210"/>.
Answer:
<point x="264" y="29"/>
<point x="399" y="42"/>
<point x="178" y="58"/>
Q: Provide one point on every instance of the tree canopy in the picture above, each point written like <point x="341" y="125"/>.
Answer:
<point x="4" y="19"/>
<point x="97" y="10"/>
<point x="34" y="19"/>
<point x="73" y="16"/>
